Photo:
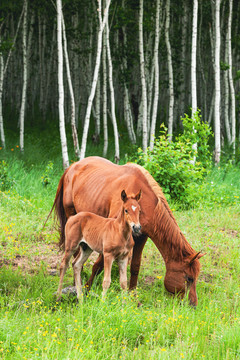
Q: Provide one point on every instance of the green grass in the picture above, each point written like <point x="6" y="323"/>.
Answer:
<point x="145" y="324"/>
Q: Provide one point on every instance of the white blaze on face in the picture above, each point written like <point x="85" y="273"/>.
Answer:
<point x="134" y="208"/>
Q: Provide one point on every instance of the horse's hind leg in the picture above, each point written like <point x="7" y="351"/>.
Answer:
<point x="96" y="270"/>
<point x="78" y="263"/>
<point x="63" y="268"/>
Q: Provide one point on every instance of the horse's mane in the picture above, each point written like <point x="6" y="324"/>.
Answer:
<point x="178" y="246"/>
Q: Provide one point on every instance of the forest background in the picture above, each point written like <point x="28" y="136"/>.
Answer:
<point x="78" y="80"/>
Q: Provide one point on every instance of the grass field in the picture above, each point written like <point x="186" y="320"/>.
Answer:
<point x="145" y="324"/>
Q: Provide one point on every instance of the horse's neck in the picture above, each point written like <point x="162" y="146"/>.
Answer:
<point x="167" y="235"/>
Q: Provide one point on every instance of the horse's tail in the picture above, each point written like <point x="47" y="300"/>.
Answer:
<point x="59" y="212"/>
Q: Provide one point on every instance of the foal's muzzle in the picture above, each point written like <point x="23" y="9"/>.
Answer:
<point x="136" y="229"/>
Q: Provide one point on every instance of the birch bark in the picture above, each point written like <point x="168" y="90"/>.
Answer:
<point x="193" y="68"/>
<point x="143" y="81"/>
<point x="217" y="83"/>
<point x="95" y="77"/>
<point x="113" y="114"/>
<point x="156" y="80"/>
<point x="105" y="126"/>
<point x="70" y="86"/>
<point x="232" y="90"/>
<point x="170" y="72"/>
<point x="61" y="87"/>
<point x="25" y="69"/>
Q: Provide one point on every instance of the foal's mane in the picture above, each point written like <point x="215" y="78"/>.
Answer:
<point x="169" y="231"/>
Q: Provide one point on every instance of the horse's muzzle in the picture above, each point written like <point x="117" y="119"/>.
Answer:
<point x="136" y="229"/>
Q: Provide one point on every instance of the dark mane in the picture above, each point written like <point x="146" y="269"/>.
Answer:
<point x="166" y="228"/>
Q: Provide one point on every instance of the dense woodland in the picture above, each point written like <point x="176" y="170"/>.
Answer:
<point x="120" y="63"/>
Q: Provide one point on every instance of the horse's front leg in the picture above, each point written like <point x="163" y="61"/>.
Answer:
<point x="122" y="265"/>
<point x="140" y="241"/>
<point x="96" y="270"/>
<point x="108" y="260"/>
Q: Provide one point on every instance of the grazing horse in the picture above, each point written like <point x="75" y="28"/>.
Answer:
<point x="92" y="184"/>
<point x="86" y="232"/>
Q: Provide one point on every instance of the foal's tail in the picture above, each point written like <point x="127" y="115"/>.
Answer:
<point x="59" y="212"/>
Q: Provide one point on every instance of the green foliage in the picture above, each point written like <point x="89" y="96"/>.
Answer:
<point x="171" y="163"/>
<point x="46" y="177"/>
<point x="6" y="180"/>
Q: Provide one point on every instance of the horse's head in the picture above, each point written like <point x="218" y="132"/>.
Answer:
<point x="181" y="277"/>
<point x="131" y="210"/>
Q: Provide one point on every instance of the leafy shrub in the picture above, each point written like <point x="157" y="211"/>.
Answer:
<point x="6" y="181"/>
<point x="46" y="177"/>
<point x="171" y="163"/>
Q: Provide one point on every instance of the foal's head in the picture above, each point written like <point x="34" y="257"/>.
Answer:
<point x="131" y="210"/>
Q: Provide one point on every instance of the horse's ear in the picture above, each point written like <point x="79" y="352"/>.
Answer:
<point x="196" y="256"/>
<point x="123" y="196"/>
<point x="138" y="196"/>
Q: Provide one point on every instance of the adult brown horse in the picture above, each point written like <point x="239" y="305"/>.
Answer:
<point x="93" y="184"/>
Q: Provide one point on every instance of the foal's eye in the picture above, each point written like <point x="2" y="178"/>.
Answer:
<point x="126" y="211"/>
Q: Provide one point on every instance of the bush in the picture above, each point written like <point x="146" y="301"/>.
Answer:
<point x="48" y="173"/>
<point x="171" y="163"/>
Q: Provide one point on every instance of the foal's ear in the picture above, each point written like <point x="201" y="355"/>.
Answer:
<point x="123" y="196"/>
<point x="139" y="195"/>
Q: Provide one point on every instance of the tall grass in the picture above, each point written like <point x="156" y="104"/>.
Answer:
<point x="145" y="324"/>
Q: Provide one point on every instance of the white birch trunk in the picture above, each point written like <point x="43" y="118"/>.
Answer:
<point x="95" y="77"/>
<point x="170" y="72"/>
<point x="113" y="114"/>
<point x="105" y="126"/>
<point x="226" y="95"/>
<point x="25" y="69"/>
<point x="143" y="81"/>
<point x="232" y="90"/>
<point x="60" y="87"/>
<point x="98" y="108"/>
<point x="193" y="68"/>
<point x="183" y="58"/>
<point x="156" y="80"/>
<point x="217" y="83"/>
<point x="69" y="79"/>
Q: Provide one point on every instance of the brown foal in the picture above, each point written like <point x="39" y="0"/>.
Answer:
<point x="112" y="237"/>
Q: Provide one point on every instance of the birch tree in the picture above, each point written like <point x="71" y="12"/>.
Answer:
<point x="143" y="81"/>
<point x="113" y="114"/>
<point x="60" y="87"/>
<point x="73" y="107"/>
<point x="25" y="70"/>
<point x="156" y="80"/>
<point x="193" y="68"/>
<point x="217" y="83"/>
<point x="105" y="126"/>
<point x="170" y="72"/>
<point x="95" y="76"/>
<point x="232" y="90"/>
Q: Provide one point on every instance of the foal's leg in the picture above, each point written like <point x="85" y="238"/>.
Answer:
<point x="63" y="267"/>
<point x="122" y="265"/>
<point x="136" y="260"/>
<point x="96" y="270"/>
<point x="108" y="260"/>
<point x="78" y="263"/>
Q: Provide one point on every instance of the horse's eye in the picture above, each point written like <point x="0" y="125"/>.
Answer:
<point x="126" y="211"/>
<point x="189" y="279"/>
